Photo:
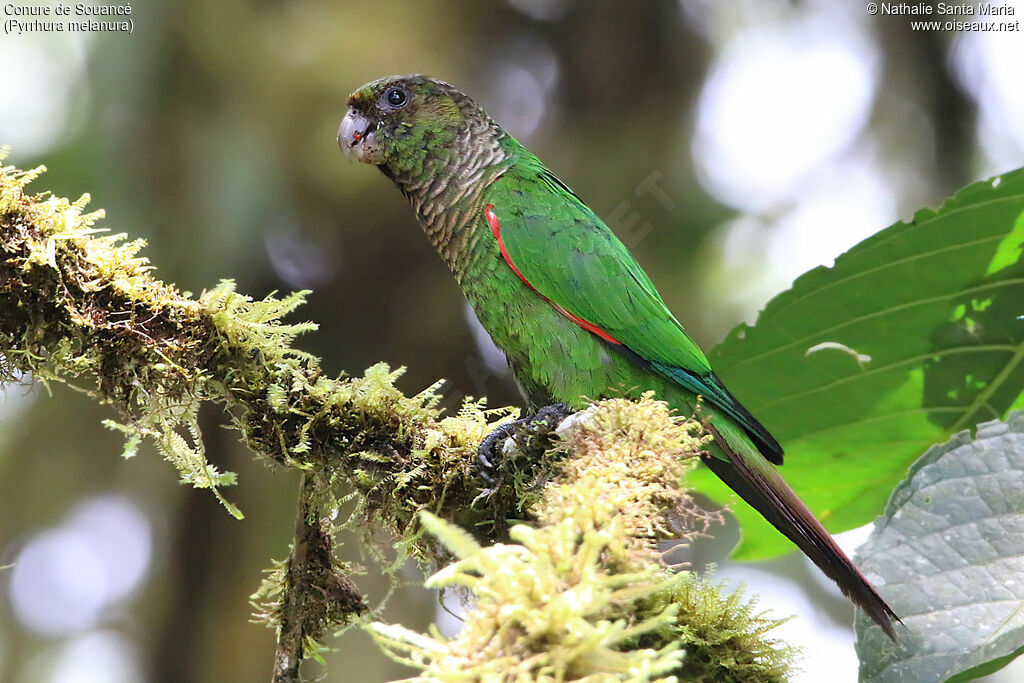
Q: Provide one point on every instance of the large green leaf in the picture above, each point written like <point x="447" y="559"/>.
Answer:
<point x="913" y="335"/>
<point x="946" y="555"/>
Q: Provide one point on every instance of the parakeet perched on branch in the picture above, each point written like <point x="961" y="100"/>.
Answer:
<point x="559" y="293"/>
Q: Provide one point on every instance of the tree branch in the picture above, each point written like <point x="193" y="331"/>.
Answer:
<point x="83" y="309"/>
<point x="311" y="575"/>
<point x="581" y="590"/>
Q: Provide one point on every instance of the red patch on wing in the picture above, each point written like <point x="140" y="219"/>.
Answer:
<point x="492" y="220"/>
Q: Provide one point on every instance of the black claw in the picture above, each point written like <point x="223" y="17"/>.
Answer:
<point x="552" y="415"/>
<point x="490" y="455"/>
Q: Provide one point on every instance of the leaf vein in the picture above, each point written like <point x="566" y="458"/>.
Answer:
<point x="875" y="314"/>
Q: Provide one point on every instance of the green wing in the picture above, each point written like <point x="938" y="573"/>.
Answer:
<point x="568" y="255"/>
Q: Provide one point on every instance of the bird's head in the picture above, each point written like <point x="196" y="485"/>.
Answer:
<point x="396" y="122"/>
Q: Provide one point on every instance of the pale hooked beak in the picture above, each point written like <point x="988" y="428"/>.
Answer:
<point x="355" y="139"/>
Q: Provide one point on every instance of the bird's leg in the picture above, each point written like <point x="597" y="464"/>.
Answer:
<point x="532" y="427"/>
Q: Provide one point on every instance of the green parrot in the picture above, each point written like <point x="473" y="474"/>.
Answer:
<point x="574" y="313"/>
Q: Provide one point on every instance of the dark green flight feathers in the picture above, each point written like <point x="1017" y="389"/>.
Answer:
<point x="560" y="294"/>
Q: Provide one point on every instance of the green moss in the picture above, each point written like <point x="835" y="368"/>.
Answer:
<point x="310" y="593"/>
<point x="81" y="307"/>
<point x="84" y="308"/>
<point x="583" y="596"/>
<point x="578" y="592"/>
<point x="726" y="639"/>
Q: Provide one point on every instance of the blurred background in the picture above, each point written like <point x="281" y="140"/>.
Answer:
<point x="733" y="146"/>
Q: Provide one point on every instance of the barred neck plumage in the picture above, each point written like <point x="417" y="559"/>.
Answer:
<point x="446" y="189"/>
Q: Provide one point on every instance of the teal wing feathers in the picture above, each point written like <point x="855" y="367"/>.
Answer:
<point x="568" y="255"/>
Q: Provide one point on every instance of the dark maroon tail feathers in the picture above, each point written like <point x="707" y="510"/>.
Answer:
<point x="766" y="491"/>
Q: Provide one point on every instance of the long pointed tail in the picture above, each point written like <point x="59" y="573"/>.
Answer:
<point x="758" y="483"/>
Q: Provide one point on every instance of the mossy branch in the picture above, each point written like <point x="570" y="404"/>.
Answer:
<point x="311" y="574"/>
<point x="581" y="594"/>
<point x="84" y="309"/>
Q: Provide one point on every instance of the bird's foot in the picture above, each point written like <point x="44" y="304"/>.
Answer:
<point x="530" y="433"/>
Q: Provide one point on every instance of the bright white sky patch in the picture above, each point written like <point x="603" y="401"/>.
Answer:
<point x="65" y="578"/>
<point x="781" y="100"/>
<point x="43" y="76"/>
<point x="760" y="256"/>
<point x="98" y="657"/>
<point x="847" y="204"/>
<point x="988" y="65"/>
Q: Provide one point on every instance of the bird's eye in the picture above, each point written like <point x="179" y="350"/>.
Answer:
<point x="396" y="97"/>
